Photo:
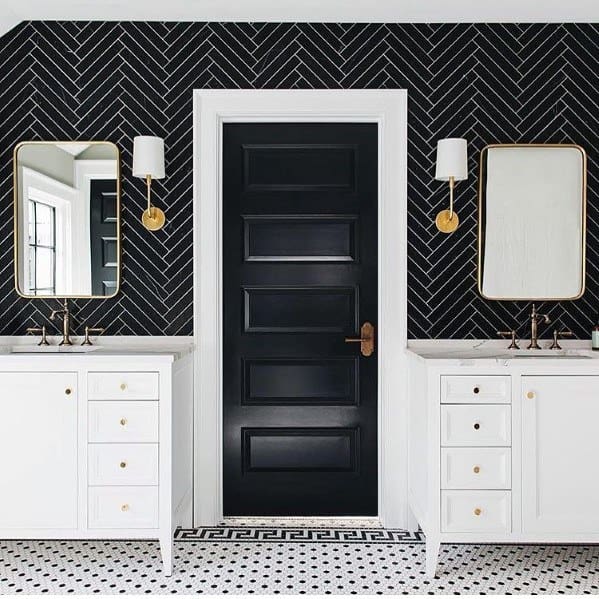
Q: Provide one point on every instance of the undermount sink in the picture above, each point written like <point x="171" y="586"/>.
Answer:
<point x="52" y="349"/>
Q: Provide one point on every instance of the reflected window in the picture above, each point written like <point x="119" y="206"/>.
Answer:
<point x="42" y="248"/>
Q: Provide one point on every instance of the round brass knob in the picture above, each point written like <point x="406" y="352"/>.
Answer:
<point x="123" y="421"/>
<point x="123" y="464"/>
<point x="476" y="390"/>
<point x="478" y="511"/>
<point x="125" y="507"/>
<point x="530" y="395"/>
<point x="123" y="386"/>
<point x="476" y="469"/>
<point x="476" y="426"/>
<point x="68" y="391"/>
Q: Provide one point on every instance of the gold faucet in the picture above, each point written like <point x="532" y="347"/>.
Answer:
<point x="66" y="322"/>
<point x="535" y="318"/>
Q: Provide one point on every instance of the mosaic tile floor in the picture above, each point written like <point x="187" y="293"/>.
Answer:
<point x="240" y="560"/>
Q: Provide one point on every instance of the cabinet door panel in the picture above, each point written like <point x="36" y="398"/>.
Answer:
<point x="560" y="448"/>
<point x="38" y="449"/>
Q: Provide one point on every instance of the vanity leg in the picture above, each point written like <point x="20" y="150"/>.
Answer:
<point x="412" y="522"/>
<point x="166" y="551"/>
<point x="433" y="544"/>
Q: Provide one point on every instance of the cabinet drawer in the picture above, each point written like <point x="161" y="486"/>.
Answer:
<point x="476" y="511"/>
<point x="123" y="507"/>
<point x="476" y="468"/>
<point x="122" y="422"/>
<point x="123" y="464"/>
<point x="467" y="425"/>
<point x="122" y="385"/>
<point x="476" y="389"/>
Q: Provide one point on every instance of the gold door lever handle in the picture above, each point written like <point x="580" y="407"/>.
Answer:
<point x="366" y="339"/>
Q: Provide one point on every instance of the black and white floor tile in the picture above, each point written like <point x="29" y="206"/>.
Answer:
<point x="269" y="561"/>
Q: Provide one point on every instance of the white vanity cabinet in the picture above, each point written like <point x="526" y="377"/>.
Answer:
<point x="96" y="445"/>
<point x="503" y="450"/>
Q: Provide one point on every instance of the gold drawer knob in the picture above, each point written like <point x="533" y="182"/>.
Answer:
<point x="477" y="511"/>
<point x="530" y="395"/>
<point x="123" y="386"/>
<point x="68" y="391"/>
<point x="476" y="390"/>
<point x="123" y="421"/>
<point x="476" y="426"/>
<point x="125" y="507"/>
<point x="476" y="469"/>
<point x="123" y="464"/>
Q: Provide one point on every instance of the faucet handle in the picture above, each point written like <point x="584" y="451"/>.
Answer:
<point x="512" y="335"/>
<point x="42" y="330"/>
<point x="559" y="335"/>
<point x="88" y="330"/>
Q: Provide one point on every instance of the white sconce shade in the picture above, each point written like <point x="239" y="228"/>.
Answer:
<point x="452" y="159"/>
<point x="148" y="157"/>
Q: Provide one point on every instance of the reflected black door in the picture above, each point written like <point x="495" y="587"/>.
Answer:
<point x="299" y="275"/>
<point x="103" y="236"/>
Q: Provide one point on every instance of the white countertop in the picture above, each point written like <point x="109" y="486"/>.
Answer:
<point x="171" y="348"/>
<point x="496" y="350"/>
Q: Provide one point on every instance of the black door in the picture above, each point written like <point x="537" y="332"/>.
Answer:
<point x="103" y="236"/>
<point x="299" y="276"/>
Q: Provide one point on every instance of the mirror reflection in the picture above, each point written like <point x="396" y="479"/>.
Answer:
<point x="532" y="211"/>
<point x="67" y="219"/>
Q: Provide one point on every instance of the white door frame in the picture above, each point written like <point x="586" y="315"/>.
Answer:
<point x="388" y="108"/>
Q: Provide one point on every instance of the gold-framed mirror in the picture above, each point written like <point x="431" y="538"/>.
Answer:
<point x="67" y="222"/>
<point x="532" y="222"/>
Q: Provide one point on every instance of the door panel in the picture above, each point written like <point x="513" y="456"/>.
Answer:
<point x="299" y="276"/>
<point x="300" y="238"/>
<point x="560" y="445"/>
<point x="300" y="310"/>
<point x="301" y="382"/>
<point x="38" y="439"/>
<point x="104" y="244"/>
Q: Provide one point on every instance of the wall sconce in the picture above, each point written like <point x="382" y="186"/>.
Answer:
<point x="148" y="163"/>
<point x="452" y="166"/>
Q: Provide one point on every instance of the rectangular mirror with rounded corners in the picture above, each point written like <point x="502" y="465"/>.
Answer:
<point x="67" y="219"/>
<point x="532" y="222"/>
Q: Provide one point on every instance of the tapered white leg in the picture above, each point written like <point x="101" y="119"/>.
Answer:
<point x="166" y="551"/>
<point x="412" y="522"/>
<point x="433" y="544"/>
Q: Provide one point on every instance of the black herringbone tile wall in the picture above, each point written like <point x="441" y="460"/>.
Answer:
<point x="488" y="83"/>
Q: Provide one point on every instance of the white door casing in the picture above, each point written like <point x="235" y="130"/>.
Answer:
<point x="387" y="108"/>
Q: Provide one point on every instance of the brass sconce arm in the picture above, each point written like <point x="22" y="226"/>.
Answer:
<point x="152" y="218"/>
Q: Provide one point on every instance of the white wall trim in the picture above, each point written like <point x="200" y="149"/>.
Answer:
<point x="312" y="11"/>
<point x="388" y="108"/>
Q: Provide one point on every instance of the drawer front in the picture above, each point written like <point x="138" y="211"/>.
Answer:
<point x="476" y="389"/>
<point x="476" y="511"/>
<point x="123" y="507"/>
<point x="476" y="468"/>
<point x="122" y="422"/>
<point x="123" y="464"/>
<point x="122" y="385"/>
<point x="468" y="426"/>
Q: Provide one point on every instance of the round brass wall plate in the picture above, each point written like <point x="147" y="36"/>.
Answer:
<point x="154" y="220"/>
<point x="446" y="222"/>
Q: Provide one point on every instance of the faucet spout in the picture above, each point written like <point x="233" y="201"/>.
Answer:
<point x="535" y="319"/>
<point x="66" y="322"/>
